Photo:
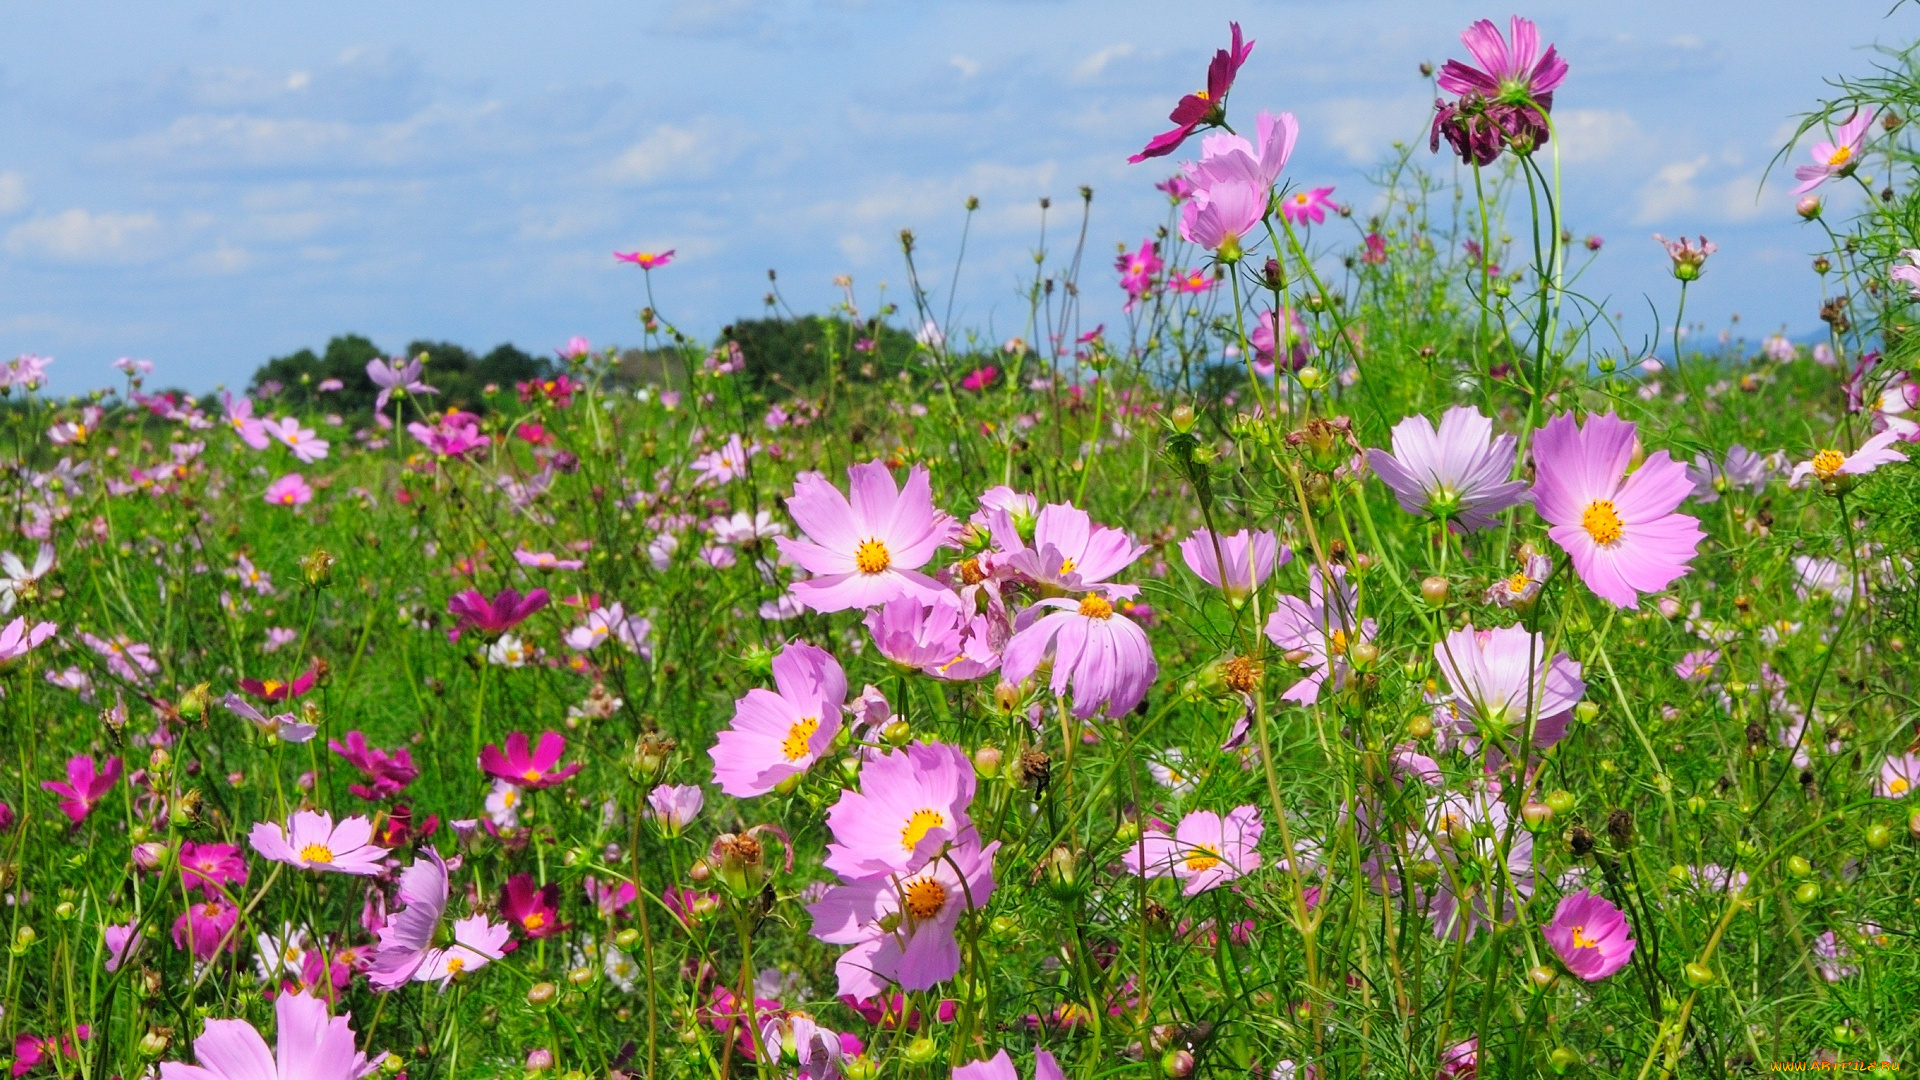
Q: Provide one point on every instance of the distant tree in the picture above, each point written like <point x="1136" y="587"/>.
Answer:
<point x="462" y="378"/>
<point x="293" y="381"/>
<point x="788" y="355"/>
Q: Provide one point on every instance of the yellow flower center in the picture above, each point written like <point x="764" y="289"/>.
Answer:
<point x="922" y="822"/>
<point x="872" y="557"/>
<point x="1095" y="607"/>
<point x="1067" y="566"/>
<point x="795" y="746"/>
<point x="508" y="798"/>
<point x="1518" y="582"/>
<point x="925" y="897"/>
<point x="1337" y="643"/>
<point x="316" y="853"/>
<point x="1898" y="786"/>
<point x="1841" y="155"/>
<point x="531" y="776"/>
<point x="1582" y="941"/>
<point x="1300" y="199"/>
<point x="1828" y="463"/>
<point x="534" y="921"/>
<point x="1602" y="522"/>
<point x="1203" y="857"/>
<point x="456" y="964"/>
<point x="272" y="686"/>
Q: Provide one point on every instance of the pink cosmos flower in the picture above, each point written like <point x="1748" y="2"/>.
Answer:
<point x="1000" y="1067"/>
<point x="868" y="550"/>
<point x="1138" y="271"/>
<point x="1308" y="205"/>
<point x="1461" y="1061"/>
<point x="205" y="927"/>
<point x="127" y="659"/>
<point x="611" y="623"/>
<point x="531" y="769"/>
<point x="980" y="378"/>
<point x="1192" y="282"/>
<point x="1317" y="632"/>
<point x="283" y="726"/>
<point x="645" y="260"/>
<point x="455" y="434"/>
<point x="933" y="633"/>
<point x="1457" y="471"/>
<point x="311" y="841"/>
<point x="1206" y="851"/>
<point x="1589" y="935"/>
<point x="388" y="773"/>
<point x="289" y="490"/>
<point x="801" y="1047"/>
<point x="1375" y="252"/>
<point x="674" y="806"/>
<point x="777" y="735"/>
<point x="396" y="376"/>
<point x="240" y="418"/>
<point x="18" y="638"/>
<point x="122" y="941"/>
<point x="1620" y="531"/>
<point x="1248" y="557"/>
<point x="1898" y="775"/>
<point x="310" y="1045"/>
<point x="545" y="560"/>
<point x="86" y="784"/>
<point x="1908" y="273"/>
<point x="1502" y="679"/>
<point x="300" y="440"/>
<point x="1687" y="259"/>
<point x="1465" y="828"/>
<point x="1837" y="158"/>
<point x="1068" y="551"/>
<point x="1829" y="466"/>
<point x="1202" y="108"/>
<point x="407" y="950"/>
<point x="911" y="806"/>
<point x="902" y="929"/>
<point x="1104" y="656"/>
<point x="610" y="899"/>
<point x="1227" y="158"/>
<point x="505" y="611"/>
<point x="1217" y="217"/>
<point x="1265" y="339"/>
<point x="534" y="909"/>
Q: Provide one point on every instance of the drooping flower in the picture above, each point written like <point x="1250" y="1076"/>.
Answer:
<point x="387" y="773"/>
<point x="1831" y="467"/>
<point x="1503" y="102"/>
<point x="1237" y="563"/>
<point x="1908" y="273"/>
<point x="86" y="784"/>
<point x="1308" y="205"/>
<point x="777" y="735"/>
<point x="1103" y="655"/>
<point x="311" y="841"/>
<point x="1269" y="339"/>
<point x="1899" y="774"/>
<point x="407" y="950"/>
<point x="283" y="726"/>
<point x="1502" y="680"/>
<point x="1457" y="470"/>
<point x="1202" y="108"/>
<point x="645" y="260"/>
<point x="1620" y="530"/>
<point x="1317" y="633"/>
<point x="1590" y="936"/>
<point x="396" y="376"/>
<point x="866" y="550"/>
<point x="1206" y="851"/>
<point x="1687" y="259"/>
<point x="902" y="929"/>
<point x="802" y="1048"/>
<point x="505" y="611"/>
<point x="530" y="768"/>
<point x="1837" y="158"/>
<point x="1000" y="1067"/>
<point x="911" y="805"/>
<point x="1740" y="470"/>
<point x="289" y="490"/>
<point x="534" y="909"/>
<point x="18" y="580"/>
<point x="674" y="806"/>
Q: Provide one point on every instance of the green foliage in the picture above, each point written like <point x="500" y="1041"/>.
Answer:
<point x="460" y="375"/>
<point x="787" y="356"/>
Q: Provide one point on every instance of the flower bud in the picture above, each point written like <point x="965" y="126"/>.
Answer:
<point x="580" y="976"/>
<point x="1699" y="975"/>
<point x="1808" y="207"/>
<point x="1562" y="1059"/>
<point x="539" y="1060"/>
<point x="1807" y="893"/>
<point x="1540" y="976"/>
<point x="1586" y="712"/>
<point x="1364" y="654"/>
<point x="541" y="994"/>
<point x="1183" y="418"/>
<point x="1799" y="867"/>
<point x="987" y="761"/>
<point x="627" y="939"/>
<point x="1420" y="726"/>
<point x="1878" y="836"/>
<point x="317" y="568"/>
<point x="1537" y="815"/>
<point x="1177" y="1063"/>
<point x="1561" y="801"/>
<point x="860" y="1068"/>
<point x="922" y="1050"/>
<point x="1434" y="591"/>
<point x="193" y="703"/>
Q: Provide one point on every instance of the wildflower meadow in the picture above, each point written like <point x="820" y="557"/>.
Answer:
<point x="1360" y="658"/>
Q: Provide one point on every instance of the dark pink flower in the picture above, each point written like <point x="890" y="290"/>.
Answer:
<point x="524" y="768"/>
<point x="86" y="784"/>
<point x="31" y="1050"/>
<point x="204" y="926"/>
<point x="211" y="867"/>
<point x="1202" y="108"/>
<point x="505" y="611"/>
<point x="388" y="773"/>
<point x="980" y="378"/>
<point x="534" y="909"/>
<point x="275" y="690"/>
<point x="645" y="260"/>
<point x="1590" y="936"/>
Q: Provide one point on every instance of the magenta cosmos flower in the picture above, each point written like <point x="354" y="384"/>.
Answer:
<point x="1236" y="564"/>
<point x="535" y="909"/>
<point x="388" y="772"/>
<point x="408" y="951"/>
<point x="1502" y="679"/>
<point x="271" y="690"/>
<point x="206" y="927"/>
<point x="868" y="550"/>
<point x="911" y="805"/>
<point x="902" y="929"/>
<point x="1620" y="531"/>
<point x="1504" y="101"/>
<point x="1103" y="655"/>
<point x="645" y="260"/>
<point x="1266" y="336"/>
<point x="86" y="784"/>
<point x="211" y="867"/>
<point x="1458" y="471"/>
<point x="290" y="490"/>
<point x="1206" y="851"/>
<point x="505" y="611"/>
<point x="1589" y="935"/>
<point x="1202" y="108"/>
<point x="1000" y="1067"/>
<point x="778" y="735"/>
<point x="1138" y="271"/>
<point x="1308" y="205"/>
<point x="1317" y="632"/>
<point x="533" y="768"/>
<point x="309" y="1044"/>
<point x="1837" y="158"/>
<point x="311" y="841"/>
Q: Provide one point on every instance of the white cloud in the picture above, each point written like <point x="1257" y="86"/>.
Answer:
<point x="1092" y="66"/>
<point x="79" y="236"/>
<point x="672" y="149"/>
<point x="13" y="191"/>
<point x="967" y="66"/>
<point x="1598" y="136"/>
<point x="1364" y="128"/>
<point x="225" y="258"/>
<point x="1686" y="195"/>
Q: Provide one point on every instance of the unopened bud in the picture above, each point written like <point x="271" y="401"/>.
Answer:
<point x="1540" y="976"/>
<point x="987" y="761"/>
<point x="1808" y="207"/>
<point x="317" y="568"/>
<point x="1699" y="975"/>
<point x="1177" y="1063"/>
<point x="1183" y="418"/>
<point x="1434" y="591"/>
<point x="1537" y="815"/>
<point x="542" y="993"/>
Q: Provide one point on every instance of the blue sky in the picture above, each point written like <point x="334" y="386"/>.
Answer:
<point x="207" y="184"/>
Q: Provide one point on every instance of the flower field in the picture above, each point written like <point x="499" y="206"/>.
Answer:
<point x="1357" y="659"/>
